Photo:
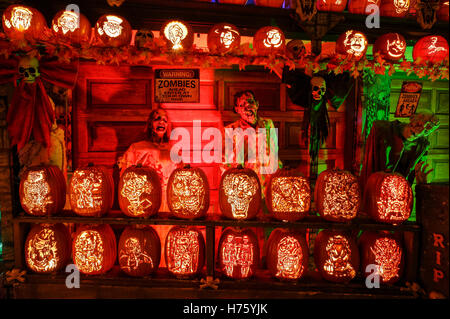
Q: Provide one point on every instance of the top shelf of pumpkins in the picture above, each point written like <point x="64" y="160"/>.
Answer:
<point x="69" y="27"/>
<point x="387" y="197"/>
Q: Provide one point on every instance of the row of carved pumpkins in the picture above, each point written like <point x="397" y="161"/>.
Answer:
<point x="48" y="249"/>
<point x="388" y="197"/>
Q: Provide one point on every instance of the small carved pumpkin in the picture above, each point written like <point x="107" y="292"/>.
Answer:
<point x="269" y="40"/>
<point x="352" y="44"/>
<point x="23" y="22"/>
<point x="188" y="193"/>
<point x="94" y="249"/>
<point x="295" y="49"/>
<point x="48" y="248"/>
<point x="178" y="35"/>
<point x="394" y="8"/>
<point x="391" y="46"/>
<point x="287" y="254"/>
<point x="238" y="253"/>
<point x="113" y="30"/>
<point x="432" y="48"/>
<point x="42" y="190"/>
<point x="72" y="27"/>
<point x="331" y="5"/>
<point x="139" y="251"/>
<point x="223" y="38"/>
<point x="359" y="6"/>
<point x="139" y="193"/>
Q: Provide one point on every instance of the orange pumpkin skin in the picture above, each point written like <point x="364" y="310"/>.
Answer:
<point x="384" y="250"/>
<point x="91" y="191"/>
<point x="388" y="198"/>
<point x="113" y="30"/>
<point x="239" y="194"/>
<point x="331" y="5"/>
<point x="432" y="48"/>
<point x="48" y="248"/>
<point x="178" y="34"/>
<point x="139" y="193"/>
<point x="443" y="12"/>
<point x="269" y="3"/>
<point x="359" y="6"/>
<point x="23" y="22"/>
<point x="287" y="254"/>
<point x="139" y="251"/>
<point x="336" y="255"/>
<point x="391" y="8"/>
<point x="352" y="44"/>
<point x="68" y="32"/>
<point x="42" y="190"/>
<point x="269" y="40"/>
<point x="288" y="195"/>
<point x="391" y="46"/>
<point x="238" y="253"/>
<point x="337" y="195"/>
<point x="188" y="193"/>
<point x="94" y="249"/>
<point x="184" y="251"/>
<point x="223" y="38"/>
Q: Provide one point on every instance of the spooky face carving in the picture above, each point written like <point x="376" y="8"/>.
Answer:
<point x="159" y="123"/>
<point x="396" y="47"/>
<point x="247" y="108"/>
<point x="132" y="256"/>
<point x="89" y="251"/>
<point x="388" y="256"/>
<point x="29" y="69"/>
<point x="87" y="190"/>
<point x="289" y="258"/>
<point x="240" y="189"/>
<point x="182" y="251"/>
<point x="36" y="192"/>
<point x="20" y="19"/>
<point x="142" y="37"/>
<point x="133" y="188"/>
<point x="401" y="6"/>
<point x="355" y="43"/>
<point x="394" y="204"/>
<point x="295" y="49"/>
<point x="188" y="191"/>
<point x="176" y="32"/>
<point x="68" y="22"/>
<point x="42" y="255"/>
<point x="338" y="262"/>
<point x="112" y="27"/>
<point x="290" y="194"/>
<point x="318" y="88"/>
<point x="227" y="36"/>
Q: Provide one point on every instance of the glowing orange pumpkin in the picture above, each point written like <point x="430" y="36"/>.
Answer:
<point x="432" y="48"/>
<point x="269" y="3"/>
<point x="391" y="46"/>
<point x="94" y="249"/>
<point x="223" y="38"/>
<point x="443" y="12"/>
<point x="359" y="6"/>
<point x="178" y="35"/>
<point x="331" y="5"/>
<point x="287" y="254"/>
<point x="113" y="30"/>
<point x="269" y="40"/>
<point x="71" y="26"/>
<point x="48" y="248"/>
<point x="23" y="22"/>
<point x="42" y="190"/>
<point x="394" y="8"/>
<point x="352" y="44"/>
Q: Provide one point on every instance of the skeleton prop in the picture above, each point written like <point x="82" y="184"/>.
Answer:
<point x="142" y="37"/>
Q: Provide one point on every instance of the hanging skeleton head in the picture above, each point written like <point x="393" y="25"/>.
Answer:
<point x="29" y="69"/>
<point x="143" y="36"/>
<point x="318" y="87"/>
<point x="306" y="9"/>
<point x="426" y="12"/>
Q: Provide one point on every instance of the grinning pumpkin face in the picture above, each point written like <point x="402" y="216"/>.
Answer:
<point x="269" y="40"/>
<point x="188" y="192"/>
<point x="338" y="260"/>
<point x="240" y="189"/>
<point x="396" y="47"/>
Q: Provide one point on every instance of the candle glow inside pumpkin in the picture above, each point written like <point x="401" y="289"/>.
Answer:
<point x="41" y="252"/>
<point x="388" y="256"/>
<point x="87" y="190"/>
<point x="136" y="189"/>
<point x="290" y="258"/>
<point x="112" y="27"/>
<point x="290" y="194"/>
<point x="183" y="251"/>
<point x="36" y="192"/>
<point x="176" y="32"/>
<point x="395" y="199"/>
<point x="237" y="251"/>
<point x="188" y="192"/>
<point x="68" y="21"/>
<point x="20" y="19"/>
<point x="132" y="256"/>
<point x="338" y="258"/>
<point x="240" y="189"/>
<point x="342" y="196"/>
<point x="89" y="251"/>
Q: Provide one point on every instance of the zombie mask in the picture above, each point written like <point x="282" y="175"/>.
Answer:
<point x="338" y="257"/>
<point x="159" y="123"/>
<point x="247" y="108"/>
<point x="318" y="88"/>
<point x="29" y="69"/>
<point x="143" y="36"/>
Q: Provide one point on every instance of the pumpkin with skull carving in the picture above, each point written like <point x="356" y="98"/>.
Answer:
<point x="28" y="69"/>
<point x="71" y="26"/>
<point x="295" y="49"/>
<point x="113" y="30"/>
<point x="269" y="40"/>
<point x="390" y="46"/>
<point x="143" y="37"/>
<point x="394" y="8"/>
<point x="23" y="22"/>
<point x="352" y="44"/>
<point x="223" y="38"/>
<point x="318" y="88"/>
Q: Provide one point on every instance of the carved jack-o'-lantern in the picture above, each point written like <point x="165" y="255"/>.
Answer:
<point x="113" y="30"/>
<point x="21" y="22"/>
<point x="331" y="5"/>
<point x="223" y="37"/>
<point x="47" y="248"/>
<point x="188" y="193"/>
<point x="287" y="254"/>
<point x="269" y="40"/>
<point x="94" y="249"/>
<point x="184" y="251"/>
<point x="239" y="193"/>
<point x="337" y="195"/>
<point x="139" y="250"/>
<point x="71" y="26"/>
<point x="388" y="198"/>
<point x="178" y="35"/>
<point x="394" y="8"/>
<point x="359" y="6"/>
<point x="391" y="46"/>
<point x="91" y="191"/>
<point x="139" y="192"/>
<point x="288" y="195"/>
<point x="353" y="44"/>
<point x="384" y="250"/>
<point x="336" y="256"/>
<point x="295" y="49"/>
<point x="238" y="253"/>
<point x="432" y="48"/>
<point x="42" y="190"/>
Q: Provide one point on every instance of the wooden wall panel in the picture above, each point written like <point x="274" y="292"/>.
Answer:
<point x="111" y="94"/>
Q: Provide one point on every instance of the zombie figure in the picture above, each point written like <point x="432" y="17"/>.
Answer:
<point x="134" y="187"/>
<point x="240" y="189"/>
<point x="245" y="257"/>
<point x="229" y="254"/>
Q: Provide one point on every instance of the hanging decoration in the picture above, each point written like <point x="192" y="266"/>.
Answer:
<point x="394" y="8"/>
<point x="113" y="31"/>
<point x="178" y="35"/>
<point x="331" y="5"/>
<point x="144" y="38"/>
<point x="359" y="6"/>
<point x="352" y="44"/>
<point x="23" y="22"/>
<point x="269" y="40"/>
<point x="71" y="26"/>
<point x="426" y="12"/>
<point x="223" y="38"/>
<point x="432" y="48"/>
<point x="391" y="46"/>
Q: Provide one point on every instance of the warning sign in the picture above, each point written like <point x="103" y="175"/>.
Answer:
<point x="408" y="99"/>
<point x="177" y="85"/>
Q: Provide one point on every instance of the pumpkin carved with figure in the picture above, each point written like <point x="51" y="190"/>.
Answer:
<point x="269" y="40"/>
<point x="178" y="35"/>
<point x="385" y="250"/>
<point x="184" y="251"/>
<point x="139" y="251"/>
<point x="388" y="198"/>
<point x="287" y="254"/>
<point x="288" y="195"/>
<point x="42" y="190"/>
<point x="352" y="44"/>
<point x="23" y="22"/>
<point x="391" y="46"/>
<point x="432" y="48"/>
<point x="336" y="255"/>
<point x="238" y="253"/>
<point x="359" y="6"/>
<point x="139" y="191"/>
<point x="239" y="193"/>
<point x="331" y="5"/>
<point x="94" y="249"/>
<point x="48" y="248"/>
<point x="394" y="8"/>
<point x="113" y="30"/>
<point x="223" y="38"/>
<point x="337" y="195"/>
<point x="71" y="26"/>
<point x="188" y="193"/>
<point x="91" y="191"/>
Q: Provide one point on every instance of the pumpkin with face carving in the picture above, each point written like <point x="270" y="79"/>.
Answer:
<point x="223" y="38"/>
<point x="72" y="27"/>
<point x="269" y="40"/>
<point x="353" y="44"/>
<point x="23" y="22"/>
<point x="113" y="30"/>
<point x="178" y="34"/>
<point x="391" y="46"/>
<point x="394" y="8"/>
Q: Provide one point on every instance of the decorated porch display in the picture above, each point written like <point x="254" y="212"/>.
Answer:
<point x="113" y="30"/>
<point x="391" y="46"/>
<point x="432" y="48"/>
<point x="91" y="191"/>
<point x="287" y="254"/>
<point x="336" y="256"/>
<point x="143" y="37"/>
<point x="184" y="251"/>
<point x="139" y="193"/>
<point x="188" y="193"/>
<point x="331" y="5"/>
<point x="269" y="40"/>
<point x="23" y="22"/>
<point x="352" y="44"/>
<point x="288" y="196"/>
<point x="223" y="38"/>
<point x="239" y="193"/>
<point x="238" y="253"/>
<point x="359" y="6"/>
<point x="48" y="248"/>
<point x="388" y="198"/>
<point x="269" y="3"/>
<point x="337" y="195"/>
<point x="295" y="49"/>
<point x="178" y="35"/>
<point x="139" y="250"/>
<point x="443" y="12"/>
<point x="42" y="190"/>
<point x="71" y="27"/>
<point x="394" y="8"/>
<point x="94" y="249"/>
<point x="385" y="250"/>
